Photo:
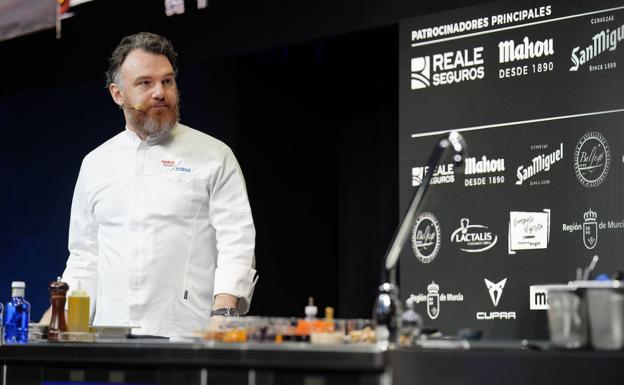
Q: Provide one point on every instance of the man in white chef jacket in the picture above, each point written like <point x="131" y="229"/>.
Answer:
<point x="161" y="233"/>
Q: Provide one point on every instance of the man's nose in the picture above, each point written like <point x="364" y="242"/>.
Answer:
<point x="159" y="91"/>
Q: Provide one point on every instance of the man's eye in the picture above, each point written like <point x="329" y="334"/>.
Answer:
<point x="168" y="82"/>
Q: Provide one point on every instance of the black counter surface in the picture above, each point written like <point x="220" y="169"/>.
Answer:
<point x="159" y="362"/>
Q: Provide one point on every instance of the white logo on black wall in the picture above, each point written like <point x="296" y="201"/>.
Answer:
<point x="603" y="41"/>
<point x="473" y="238"/>
<point x="443" y="174"/>
<point x="528" y="230"/>
<point x="426" y="237"/>
<point x="495" y="291"/>
<point x="539" y="164"/>
<point x="538" y="298"/>
<point x="421" y="72"/>
<point x="447" y="68"/>
<point x="491" y="169"/>
<point x="592" y="159"/>
<point x="433" y="299"/>
<point x="510" y="51"/>
<point x="591" y="227"/>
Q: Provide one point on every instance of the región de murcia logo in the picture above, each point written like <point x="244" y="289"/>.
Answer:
<point x="433" y="299"/>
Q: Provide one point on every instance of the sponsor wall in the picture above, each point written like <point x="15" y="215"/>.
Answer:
<point x="537" y="90"/>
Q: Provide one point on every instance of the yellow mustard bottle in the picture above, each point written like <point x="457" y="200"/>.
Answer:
<point x="78" y="310"/>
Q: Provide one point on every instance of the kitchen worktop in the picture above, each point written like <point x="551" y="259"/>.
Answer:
<point x="162" y="362"/>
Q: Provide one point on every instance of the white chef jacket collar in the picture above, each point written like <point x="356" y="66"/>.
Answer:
<point x="150" y="139"/>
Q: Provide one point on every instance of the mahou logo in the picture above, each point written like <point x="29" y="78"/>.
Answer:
<point x="510" y="51"/>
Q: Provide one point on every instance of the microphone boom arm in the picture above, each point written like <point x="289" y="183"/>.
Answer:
<point x="452" y="140"/>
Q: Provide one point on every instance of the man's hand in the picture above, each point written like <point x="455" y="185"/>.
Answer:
<point x="47" y="317"/>
<point x="224" y="300"/>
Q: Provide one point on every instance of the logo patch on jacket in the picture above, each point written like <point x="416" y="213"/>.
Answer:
<point x="177" y="166"/>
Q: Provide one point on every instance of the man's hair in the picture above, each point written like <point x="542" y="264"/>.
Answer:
<point x="148" y="42"/>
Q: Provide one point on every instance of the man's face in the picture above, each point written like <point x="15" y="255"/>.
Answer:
<point x="148" y="93"/>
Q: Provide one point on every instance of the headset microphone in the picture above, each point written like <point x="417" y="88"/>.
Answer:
<point x="136" y="107"/>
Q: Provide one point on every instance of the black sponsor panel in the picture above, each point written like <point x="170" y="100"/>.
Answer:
<point x="536" y="90"/>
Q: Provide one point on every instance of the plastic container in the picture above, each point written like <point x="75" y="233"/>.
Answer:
<point x="78" y="311"/>
<point x="567" y="317"/>
<point x="605" y="303"/>
<point x="17" y="315"/>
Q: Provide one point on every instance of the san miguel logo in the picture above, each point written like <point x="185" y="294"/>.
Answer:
<point x="592" y="159"/>
<point x="540" y="163"/>
<point x="603" y="41"/>
<point x="473" y="238"/>
<point x="426" y="237"/>
<point x="590" y="229"/>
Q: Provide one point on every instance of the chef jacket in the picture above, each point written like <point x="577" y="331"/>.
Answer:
<point x="158" y="227"/>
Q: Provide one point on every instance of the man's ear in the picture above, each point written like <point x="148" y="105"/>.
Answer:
<point x="116" y="93"/>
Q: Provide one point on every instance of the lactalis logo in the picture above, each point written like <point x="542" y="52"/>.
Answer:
<point x="509" y="51"/>
<point x="473" y="238"/>
<point x="603" y="41"/>
<point x="447" y="68"/>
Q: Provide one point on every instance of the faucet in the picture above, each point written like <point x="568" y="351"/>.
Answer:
<point x="387" y="312"/>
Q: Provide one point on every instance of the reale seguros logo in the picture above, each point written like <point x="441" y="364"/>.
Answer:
<point x="447" y="68"/>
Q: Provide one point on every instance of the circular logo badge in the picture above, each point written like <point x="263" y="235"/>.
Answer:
<point x="426" y="237"/>
<point x="592" y="159"/>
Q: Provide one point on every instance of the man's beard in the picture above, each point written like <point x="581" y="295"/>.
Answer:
<point x="154" y="126"/>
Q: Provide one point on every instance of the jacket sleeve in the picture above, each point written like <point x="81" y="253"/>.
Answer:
<point x="230" y="215"/>
<point x="83" y="246"/>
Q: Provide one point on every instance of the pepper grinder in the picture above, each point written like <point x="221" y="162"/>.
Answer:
<point x="58" y="295"/>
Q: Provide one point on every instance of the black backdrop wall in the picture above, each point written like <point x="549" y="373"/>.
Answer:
<point x="304" y="92"/>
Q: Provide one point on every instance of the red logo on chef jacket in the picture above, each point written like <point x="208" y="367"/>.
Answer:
<point x="63" y="6"/>
<point x="167" y="163"/>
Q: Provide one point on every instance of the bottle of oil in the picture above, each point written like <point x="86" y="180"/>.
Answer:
<point x="78" y="303"/>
